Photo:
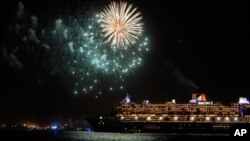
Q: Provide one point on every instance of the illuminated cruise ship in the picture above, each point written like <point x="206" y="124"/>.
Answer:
<point x="172" y="116"/>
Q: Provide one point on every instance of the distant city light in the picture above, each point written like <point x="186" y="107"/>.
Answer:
<point x="122" y="117"/>
<point x="88" y="129"/>
<point x="136" y="117"/>
<point x="54" y="127"/>
<point x="207" y="118"/>
<point x="101" y="123"/>
<point x="160" y="118"/>
<point x="226" y="118"/>
<point x="218" y="118"/>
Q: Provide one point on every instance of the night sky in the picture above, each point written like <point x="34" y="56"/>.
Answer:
<point x="194" y="47"/>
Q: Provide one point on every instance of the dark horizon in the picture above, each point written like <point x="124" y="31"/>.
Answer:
<point x="195" y="46"/>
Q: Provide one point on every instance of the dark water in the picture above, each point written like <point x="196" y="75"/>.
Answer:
<point x="102" y="136"/>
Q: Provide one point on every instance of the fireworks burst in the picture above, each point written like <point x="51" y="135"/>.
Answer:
<point x="99" y="49"/>
<point x="121" y="24"/>
<point x="96" y="61"/>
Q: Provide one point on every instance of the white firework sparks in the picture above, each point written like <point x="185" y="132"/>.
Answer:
<point x="121" y="24"/>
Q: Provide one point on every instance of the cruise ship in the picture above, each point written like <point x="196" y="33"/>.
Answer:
<point x="198" y="115"/>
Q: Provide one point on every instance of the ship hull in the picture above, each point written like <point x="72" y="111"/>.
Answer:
<point x="112" y="125"/>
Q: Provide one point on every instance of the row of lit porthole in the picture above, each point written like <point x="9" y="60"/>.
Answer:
<point x="191" y="118"/>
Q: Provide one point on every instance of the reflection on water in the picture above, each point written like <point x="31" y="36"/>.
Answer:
<point x="97" y="136"/>
<point x="115" y="136"/>
<point x="17" y="135"/>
